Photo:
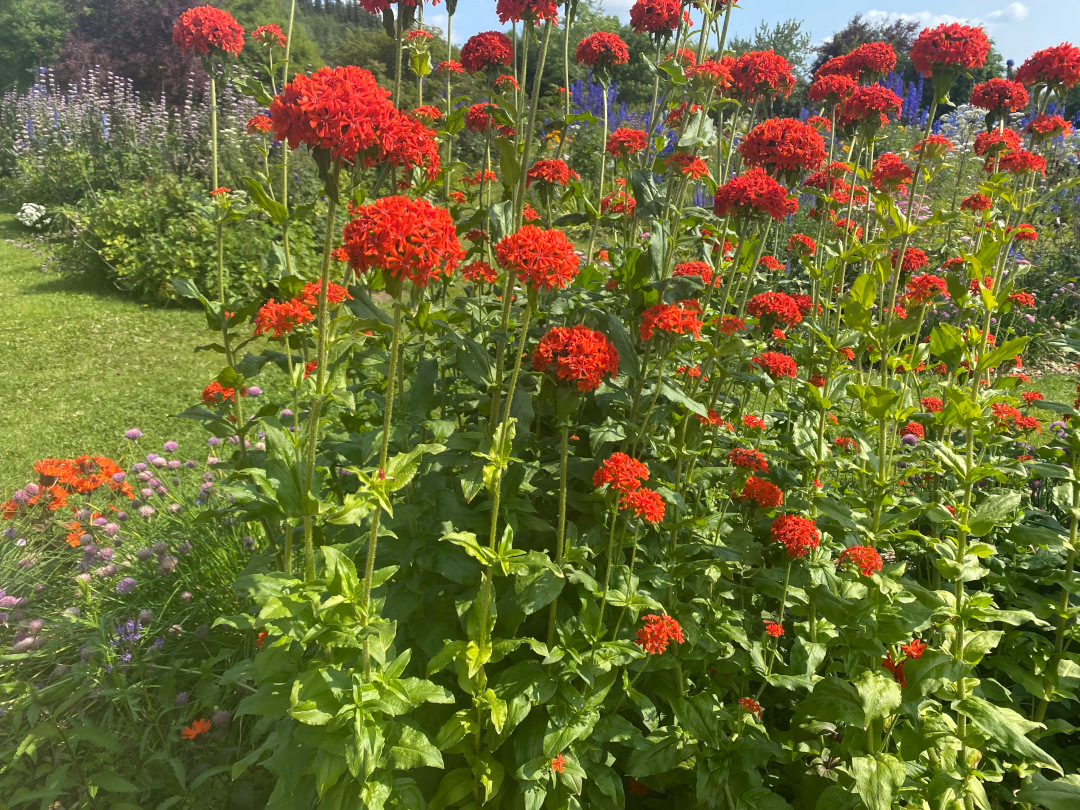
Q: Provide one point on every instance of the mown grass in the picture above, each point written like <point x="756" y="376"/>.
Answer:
<point x="82" y="364"/>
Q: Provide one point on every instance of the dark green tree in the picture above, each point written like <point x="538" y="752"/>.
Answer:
<point x="33" y="31"/>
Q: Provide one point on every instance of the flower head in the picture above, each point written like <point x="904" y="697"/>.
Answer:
<point x="528" y="10"/>
<point x="646" y="503"/>
<point x="775" y="308"/>
<point x="773" y="629"/>
<point x="541" y="259"/>
<point x="754" y="193"/>
<point x="623" y="473"/>
<point x="950" y="46"/>
<point x="775" y="364"/>
<point x="577" y="354"/>
<point x="403" y="237"/>
<point x="784" y="147"/>
<point x="658" y="631"/>
<point x="199" y="727"/>
<point x="866" y="559"/>
<point x="602" y="51"/>
<point x="1058" y="66"/>
<point x="762" y="75"/>
<point x="797" y="534"/>
<point x="655" y="16"/>
<point x="624" y="142"/>
<point x="486" y="49"/>
<point x="671" y="319"/>
<point x="204" y="28"/>
<point x="762" y="492"/>
<point x="282" y="318"/>
<point x="269" y="36"/>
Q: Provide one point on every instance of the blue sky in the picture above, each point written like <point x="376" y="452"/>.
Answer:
<point x="1017" y="26"/>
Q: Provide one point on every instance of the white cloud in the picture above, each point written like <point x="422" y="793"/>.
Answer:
<point x="1013" y="11"/>
<point x="927" y="18"/>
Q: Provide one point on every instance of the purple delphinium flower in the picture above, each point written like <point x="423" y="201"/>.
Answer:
<point x="134" y="434"/>
<point x="126" y="585"/>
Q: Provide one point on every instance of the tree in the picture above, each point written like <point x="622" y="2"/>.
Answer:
<point x="33" y="33"/>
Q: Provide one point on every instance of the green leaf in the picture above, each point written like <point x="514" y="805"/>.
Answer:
<point x="1008" y="729"/>
<point x="879" y="695"/>
<point x="992" y="512"/>
<point x="341" y="578"/>
<point x="878" y="780"/>
<point x="106" y="780"/>
<point x="1006" y="351"/>
<point x="1060" y="794"/>
<point x="409" y="747"/>
<point x="835" y="701"/>
<point x="615" y="330"/>
<point x="678" y="397"/>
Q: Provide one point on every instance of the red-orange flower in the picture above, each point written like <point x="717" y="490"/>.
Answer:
<point x="870" y="106"/>
<point x="624" y="142"/>
<point x="950" y="46"/>
<point x="205" y="28"/>
<point x="259" y="124"/>
<point x="528" y="10"/>
<point x="672" y="319"/>
<point x="866" y="559"/>
<point x="479" y="271"/>
<point x="657" y="633"/>
<point x="1000" y="96"/>
<point x="552" y="173"/>
<point x="914" y="260"/>
<point x="775" y="364"/>
<point x="269" y="35"/>
<point x="577" y="354"/>
<point x="783" y="147"/>
<point x="282" y="318"/>
<point x="762" y="74"/>
<point x="1051" y="67"/>
<point x="748" y="458"/>
<point x="404" y="238"/>
<point x="764" y="493"/>
<point x="752" y="193"/>
<point x="700" y="269"/>
<point x="870" y="61"/>
<point x="800" y="244"/>
<point x="775" y="307"/>
<point x="890" y="172"/>
<point x="214" y="393"/>
<point x="623" y="473"/>
<point x="602" y="51"/>
<point x="773" y="629"/>
<point x="487" y="49"/>
<point x="647" y="504"/>
<point x="1044" y="126"/>
<point x="541" y="259"/>
<point x="924" y="288"/>
<point x="200" y="726"/>
<point x="797" y="534"/>
<point x="976" y="202"/>
<point x="831" y="89"/>
<point x="654" y="16"/>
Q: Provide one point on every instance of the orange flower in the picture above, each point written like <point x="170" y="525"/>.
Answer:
<point x="200" y="726"/>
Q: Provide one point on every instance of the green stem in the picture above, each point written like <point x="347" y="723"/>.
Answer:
<point x="560" y="530"/>
<point x="373" y="535"/>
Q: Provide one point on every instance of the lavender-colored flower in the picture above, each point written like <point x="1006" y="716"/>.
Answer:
<point x="160" y="462"/>
<point x="121" y="516"/>
<point x="220" y="719"/>
<point x="174" y="464"/>
<point x="105" y="554"/>
<point x="160" y="547"/>
<point x="10" y="534"/>
<point x="134" y="434"/>
<point x="140" y="467"/>
<point x="171" y="446"/>
<point x="146" y="616"/>
<point x="21" y="497"/>
<point x="110" y="529"/>
<point x="254" y="391"/>
<point x="185" y="596"/>
<point x="182" y="699"/>
<point x="191" y="465"/>
<point x="146" y="511"/>
<point x="119" y="477"/>
<point x="143" y="554"/>
<point x="126" y="585"/>
<point x="85" y="577"/>
<point x="184" y="548"/>
<point x="12" y="601"/>
<point x="100" y="521"/>
<point x="33" y="490"/>
<point x="175" y="508"/>
<point x="82" y="514"/>
<point x="287" y="412"/>
<point x="159" y="642"/>
<point x="167" y="564"/>
<point x="147" y="493"/>
<point x="213" y="441"/>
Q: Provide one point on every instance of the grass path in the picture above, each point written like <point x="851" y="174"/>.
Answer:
<point x="82" y="364"/>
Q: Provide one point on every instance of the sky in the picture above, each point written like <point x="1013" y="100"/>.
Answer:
<point x="1018" y="28"/>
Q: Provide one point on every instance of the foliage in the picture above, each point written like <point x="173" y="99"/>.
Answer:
<point x="145" y="234"/>
<point x="33" y="31"/>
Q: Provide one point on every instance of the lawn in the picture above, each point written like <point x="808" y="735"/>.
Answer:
<point x="83" y="364"/>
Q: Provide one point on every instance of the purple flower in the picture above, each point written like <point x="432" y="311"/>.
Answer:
<point x="167" y="564"/>
<point x="119" y="477"/>
<point x="170" y="447"/>
<point x="185" y="596"/>
<point x="110" y="529"/>
<point x="20" y="497"/>
<point x="106" y="554"/>
<point x="213" y="441"/>
<point x="220" y="718"/>
<point x="184" y="548"/>
<point x="146" y="511"/>
<point x="182" y="699"/>
<point x="9" y="534"/>
<point x="126" y="585"/>
<point x="254" y="391"/>
<point x="33" y="490"/>
<point x="909" y="440"/>
<point x="146" y="616"/>
<point x="140" y="467"/>
<point x="143" y="554"/>
<point x="134" y="434"/>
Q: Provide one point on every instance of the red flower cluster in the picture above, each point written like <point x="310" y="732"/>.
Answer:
<point x="753" y="422"/>
<point x="541" y="259"/>
<point x="913" y="429"/>
<point x="602" y="51"/>
<point x="890" y="172"/>
<point x="259" y="124"/>
<point x="689" y="165"/>
<point x="282" y="318"/>
<point x="672" y="319"/>
<point x="775" y="364"/>
<point x="486" y="49"/>
<point x="932" y="147"/>
<point x="618" y="202"/>
<point x="479" y="271"/>
<point x="784" y="147"/>
<point x="976" y="202"/>
<point x="748" y="458"/>
<point x="711" y="73"/>
<point x="1058" y="66"/>
<point x="1000" y="96"/>
<point x="870" y="106"/>
<point x="754" y="192"/>
<point x="866" y="559"/>
<point x="773" y="629"/>
<point x="647" y="504"/>
<point x="831" y="89"/>
<point x="764" y="493"/>
<point x="404" y="238"/>
<point x="800" y="244"/>
<point x="797" y="534"/>
<point x="951" y="46"/>
<point x="750" y="706"/>
<point x="343" y="110"/>
<point x="658" y="632"/>
<point x="577" y="354"/>
<point x="913" y="649"/>
<point x="730" y="324"/>
<point x="870" y="61"/>
<point x="700" y="269"/>
<point x="624" y="142"/>
<point x="654" y="16"/>
<point x="775" y="307"/>
<point x="931" y="404"/>
<point x="1047" y="126"/>
<point x="214" y="393"/>
<point x="914" y="260"/>
<point x="920" y="289"/>
<point x="1031" y="396"/>
<point x="407" y="143"/>
<point x="1023" y="299"/>
<point x="269" y="35"/>
<point x="1019" y="162"/>
<point x="551" y="172"/>
<point x="762" y="74"/>
<point x="205" y="28"/>
<point x="528" y="10"/>
<point x="996" y="141"/>
<point x="622" y="472"/>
